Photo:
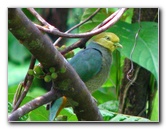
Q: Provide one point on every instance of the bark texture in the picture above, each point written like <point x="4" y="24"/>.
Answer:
<point x="68" y="83"/>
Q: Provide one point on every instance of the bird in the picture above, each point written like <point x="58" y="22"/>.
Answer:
<point x="92" y="64"/>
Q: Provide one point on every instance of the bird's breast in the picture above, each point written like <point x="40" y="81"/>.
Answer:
<point x="100" y="78"/>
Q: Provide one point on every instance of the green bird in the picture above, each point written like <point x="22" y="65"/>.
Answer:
<point x="93" y="63"/>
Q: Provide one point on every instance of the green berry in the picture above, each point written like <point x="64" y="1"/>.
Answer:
<point x="66" y="55"/>
<point x="30" y="72"/>
<point x="63" y="47"/>
<point x="52" y="69"/>
<point x="47" y="78"/>
<point x="54" y="75"/>
<point x="38" y="70"/>
<point x="70" y="54"/>
<point x="63" y="70"/>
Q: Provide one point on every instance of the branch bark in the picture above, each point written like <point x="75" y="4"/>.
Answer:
<point x="110" y="21"/>
<point x="134" y="93"/>
<point x="68" y="83"/>
<point x="37" y="102"/>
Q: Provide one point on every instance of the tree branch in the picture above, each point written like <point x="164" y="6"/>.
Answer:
<point x="106" y="23"/>
<point x="111" y="20"/>
<point x="37" y="102"/>
<point x="68" y="83"/>
<point x="27" y="83"/>
<point x="90" y="17"/>
<point x="46" y="24"/>
<point x="40" y="19"/>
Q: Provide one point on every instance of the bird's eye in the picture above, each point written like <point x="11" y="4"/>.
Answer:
<point x="108" y="38"/>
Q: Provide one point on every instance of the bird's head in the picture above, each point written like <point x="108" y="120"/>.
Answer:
<point x="108" y="40"/>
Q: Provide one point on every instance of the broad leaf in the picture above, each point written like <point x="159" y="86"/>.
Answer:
<point x="39" y="114"/>
<point x="146" y="50"/>
<point x="16" y="73"/>
<point x="107" y="93"/>
<point x="115" y="117"/>
<point x="68" y="112"/>
<point x="110" y="105"/>
<point x="10" y="105"/>
<point x="16" y="51"/>
<point x="155" y="108"/>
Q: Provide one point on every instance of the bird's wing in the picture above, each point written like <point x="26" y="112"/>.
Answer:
<point x="87" y="63"/>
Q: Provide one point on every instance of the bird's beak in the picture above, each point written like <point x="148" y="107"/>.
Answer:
<point x="118" y="45"/>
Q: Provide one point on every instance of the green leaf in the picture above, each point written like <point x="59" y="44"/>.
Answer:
<point x="128" y="15"/>
<point x="10" y="105"/>
<point x="101" y="16"/>
<point x="116" y="117"/>
<point x="10" y="108"/>
<point x="146" y="50"/>
<point x="155" y="108"/>
<point x="16" y="73"/>
<point x="30" y="15"/>
<point x="110" y="105"/>
<point x="96" y="20"/>
<point x="24" y="117"/>
<point x="107" y="115"/>
<point x="16" y="51"/>
<point x="39" y="114"/>
<point x="26" y="99"/>
<point x="107" y="93"/>
<point x="40" y="91"/>
<point x="69" y="113"/>
<point x="127" y="118"/>
<point x="116" y="73"/>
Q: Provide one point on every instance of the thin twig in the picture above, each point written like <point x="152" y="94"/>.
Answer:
<point x="31" y="66"/>
<point x="80" y="43"/>
<point x="27" y="83"/>
<point x="135" y="43"/>
<point x="51" y="29"/>
<point x="104" y="23"/>
<point x="107" y="19"/>
<point x="76" y="26"/>
<point x="35" y="103"/>
<point x="37" y="15"/>
<point x="128" y="85"/>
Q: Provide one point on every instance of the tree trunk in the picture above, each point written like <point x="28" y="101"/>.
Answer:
<point x="135" y="93"/>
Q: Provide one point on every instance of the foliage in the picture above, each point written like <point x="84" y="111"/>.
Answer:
<point x="155" y="110"/>
<point x="145" y="54"/>
<point x="115" y="117"/>
<point x="146" y="50"/>
<point x="101" y="15"/>
<point x="39" y="114"/>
